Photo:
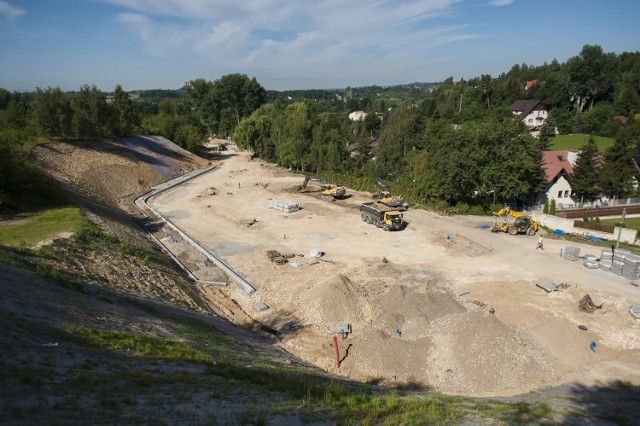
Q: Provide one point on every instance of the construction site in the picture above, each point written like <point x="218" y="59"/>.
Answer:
<point x="438" y="302"/>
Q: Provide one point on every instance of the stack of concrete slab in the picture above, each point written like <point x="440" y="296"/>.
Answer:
<point x="606" y="260"/>
<point x="285" y="206"/>
<point x="571" y="253"/>
<point x="631" y="268"/>
<point x="590" y="261"/>
<point x="618" y="262"/>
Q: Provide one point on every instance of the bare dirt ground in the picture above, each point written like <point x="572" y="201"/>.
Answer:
<point x="459" y="315"/>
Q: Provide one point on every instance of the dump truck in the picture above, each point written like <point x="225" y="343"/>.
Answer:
<point x="381" y="215"/>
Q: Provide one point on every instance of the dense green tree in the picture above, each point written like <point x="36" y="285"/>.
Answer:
<point x="584" y="181"/>
<point x="14" y="116"/>
<point x="547" y="132"/>
<point x="52" y="113"/>
<point x="205" y="104"/>
<point x="511" y="160"/>
<point x="246" y="134"/>
<point x="125" y="117"/>
<point x="11" y="160"/>
<point x="591" y="76"/>
<point x="453" y="167"/>
<point x="618" y="171"/>
<point x="189" y="137"/>
<point x="220" y="105"/>
<point x="91" y="115"/>
<point x="596" y="119"/>
<point x="627" y="101"/>
<point x="5" y="98"/>
<point x="372" y="124"/>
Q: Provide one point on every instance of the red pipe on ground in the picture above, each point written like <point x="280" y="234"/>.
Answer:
<point x="335" y="343"/>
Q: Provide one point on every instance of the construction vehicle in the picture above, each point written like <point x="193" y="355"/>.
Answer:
<point x="522" y="224"/>
<point x="381" y="215"/>
<point x="333" y="191"/>
<point x="304" y="184"/>
<point x="386" y="198"/>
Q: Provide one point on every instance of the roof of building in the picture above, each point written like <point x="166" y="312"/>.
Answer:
<point x="621" y="118"/>
<point x="530" y="83"/>
<point x="373" y="143"/>
<point x="525" y="106"/>
<point x="555" y="162"/>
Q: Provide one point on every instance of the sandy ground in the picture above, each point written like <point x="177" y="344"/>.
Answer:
<point x="462" y="316"/>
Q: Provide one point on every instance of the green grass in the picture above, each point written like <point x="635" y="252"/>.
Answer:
<point x="577" y="141"/>
<point x="141" y="345"/>
<point x="629" y="222"/>
<point x="36" y="227"/>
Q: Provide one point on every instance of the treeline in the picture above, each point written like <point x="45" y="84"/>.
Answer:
<point x="455" y="143"/>
<point x="460" y="143"/>
<point x="186" y="116"/>
<point x="480" y="162"/>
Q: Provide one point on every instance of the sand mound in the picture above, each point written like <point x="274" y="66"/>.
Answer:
<point x="475" y="352"/>
<point x="337" y="299"/>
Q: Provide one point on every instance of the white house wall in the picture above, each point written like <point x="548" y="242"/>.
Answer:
<point x="535" y="118"/>
<point x="560" y="191"/>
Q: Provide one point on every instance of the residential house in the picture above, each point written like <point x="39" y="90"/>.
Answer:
<point x="558" y="167"/>
<point x="357" y="115"/>
<point x="531" y="112"/>
<point x="352" y="148"/>
<point x="529" y="84"/>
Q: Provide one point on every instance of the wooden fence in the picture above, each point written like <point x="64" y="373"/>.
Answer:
<point x="599" y="212"/>
<point x="594" y="226"/>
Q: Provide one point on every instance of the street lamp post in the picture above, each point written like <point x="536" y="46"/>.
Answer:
<point x="624" y="212"/>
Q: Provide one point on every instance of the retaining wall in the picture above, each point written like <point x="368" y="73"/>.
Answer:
<point x="566" y="225"/>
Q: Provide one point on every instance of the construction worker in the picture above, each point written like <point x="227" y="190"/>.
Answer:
<point x="540" y="243"/>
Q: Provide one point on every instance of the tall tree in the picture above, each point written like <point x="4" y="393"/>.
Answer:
<point x="591" y="75"/>
<point x="91" y="114"/>
<point x="240" y="95"/>
<point x="585" y="173"/>
<point x="616" y="176"/>
<point x="125" y="117"/>
<point x="52" y="113"/>
<point x="205" y="104"/>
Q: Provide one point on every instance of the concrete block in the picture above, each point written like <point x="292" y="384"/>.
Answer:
<point x="260" y="306"/>
<point x="547" y="286"/>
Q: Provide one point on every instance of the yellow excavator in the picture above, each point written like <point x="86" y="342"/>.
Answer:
<point x="333" y="191"/>
<point x="522" y="225"/>
<point x="386" y="198"/>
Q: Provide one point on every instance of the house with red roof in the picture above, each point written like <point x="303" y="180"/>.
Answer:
<point x="531" y="112"/>
<point x="558" y="167"/>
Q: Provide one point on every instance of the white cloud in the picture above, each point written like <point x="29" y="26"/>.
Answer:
<point x="500" y="2"/>
<point x="10" y="12"/>
<point x="303" y="38"/>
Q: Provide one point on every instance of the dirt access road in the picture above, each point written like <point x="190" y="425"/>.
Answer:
<point x="459" y="315"/>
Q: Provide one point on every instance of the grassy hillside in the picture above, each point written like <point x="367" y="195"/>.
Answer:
<point x="577" y="141"/>
<point x="29" y="229"/>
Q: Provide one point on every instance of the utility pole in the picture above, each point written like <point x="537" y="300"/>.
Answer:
<point x="624" y="212"/>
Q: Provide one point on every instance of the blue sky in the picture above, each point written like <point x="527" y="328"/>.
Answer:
<point x="295" y="44"/>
